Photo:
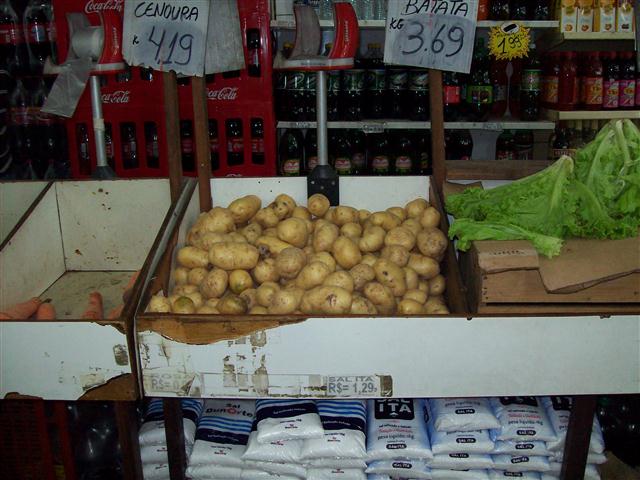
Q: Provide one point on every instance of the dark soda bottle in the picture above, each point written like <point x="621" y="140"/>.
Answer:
<point x="333" y="95"/>
<point x="281" y="95"/>
<point x="519" y="9"/>
<point x="530" y="87"/>
<point x="214" y="144"/>
<point x="422" y="141"/>
<point x="257" y="141"/>
<point x="419" y="94"/>
<point x="499" y="10"/>
<point x="376" y="82"/>
<point x="14" y="56"/>
<point x="397" y="93"/>
<point x="380" y="162"/>
<point x="358" y="152"/>
<point x="253" y="47"/>
<point x="465" y="145"/>
<point x="479" y="89"/>
<point x="40" y="33"/>
<point x="310" y="150"/>
<point x="235" y="142"/>
<point x="562" y="142"/>
<point x="21" y="130"/>
<point x="451" y="145"/>
<point x="151" y="145"/>
<point x="130" y="146"/>
<point x="296" y="96"/>
<point x="84" y="157"/>
<point x="46" y="135"/>
<point x="310" y="81"/>
<point x="341" y="150"/>
<point x="186" y="146"/>
<point x="627" y="88"/>
<point x="108" y="146"/>
<point x="404" y="158"/>
<point x="291" y="153"/>
<point x="541" y="10"/>
<point x="452" y="96"/>
<point x="352" y="93"/>
<point x="498" y="74"/>
<point x="611" y="75"/>
<point x="506" y="146"/>
<point x="524" y="145"/>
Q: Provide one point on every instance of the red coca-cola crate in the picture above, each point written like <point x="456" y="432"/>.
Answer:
<point x="133" y="106"/>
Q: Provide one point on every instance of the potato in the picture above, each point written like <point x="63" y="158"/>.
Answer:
<point x="324" y="235"/>
<point x="232" y="305"/>
<point x="266" y="217"/>
<point x="346" y="252"/>
<point x="410" y="307"/>
<point x="207" y="310"/>
<point x="340" y="279"/>
<point x="285" y="301"/>
<point x="343" y="215"/>
<point x="381" y="296"/>
<point x="312" y="275"/>
<point x="250" y="297"/>
<point x="183" y="290"/>
<point x="271" y="245"/>
<point x="432" y="242"/>
<point x="413" y="225"/>
<point x="265" y="271"/>
<point x="301" y="212"/>
<point x="351" y="230"/>
<point x="396" y="253"/>
<point x="233" y="256"/>
<point x="362" y="274"/>
<point x="196" y="275"/>
<point x="212" y="302"/>
<point x="324" y="257"/>
<point x="192" y="257"/>
<point x="293" y="231"/>
<point x="328" y="300"/>
<point x="390" y="275"/>
<point x="423" y="285"/>
<point x="270" y="232"/>
<point x="214" y="284"/>
<point x="258" y="310"/>
<point x="308" y="250"/>
<point x="243" y="209"/>
<point x="400" y="236"/>
<point x="415" y="207"/>
<point x="181" y="275"/>
<point x="363" y="215"/>
<point x="290" y="261"/>
<point x="369" y="259"/>
<point x="218" y="220"/>
<point x="196" y="298"/>
<point x="206" y="240"/>
<point x="265" y="293"/>
<point x="252" y="232"/>
<point x="417" y="295"/>
<point x="372" y="239"/>
<point x="362" y="306"/>
<point x="385" y="220"/>
<point x="284" y="205"/>
<point x="172" y="298"/>
<point x="160" y="304"/>
<point x="411" y="278"/>
<point x="426" y="267"/>
<point x="437" y="285"/>
<point x="318" y="204"/>
<point x="435" y="306"/>
<point x="430" y="217"/>
<point x="183" y="305"/>
<point x="234" y="237"/>
<point x="398" y="212"/>
<point x="239" y="281"/>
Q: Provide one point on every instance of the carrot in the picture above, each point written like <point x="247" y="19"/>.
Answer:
<point x="46" y="311"/>
<point x="94" y="310"/>
<point x="22" y="311"/>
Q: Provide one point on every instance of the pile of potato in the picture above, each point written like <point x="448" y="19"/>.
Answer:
<point x="289" y="259"/>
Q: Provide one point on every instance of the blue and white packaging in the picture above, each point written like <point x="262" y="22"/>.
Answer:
<point x="154" y="454"/>
<point x="414" y="469"/>
<point x="213" y="472"/>
<point x="559" y="410"/>
<point x="506" y="475"/>
<point x="222" y="433"/>
<point x="287" y="420"/>
<point x="461" y="461"/>
<point x="335" y="474"/>
<point x="339" y="463"/>
<point x="475" y="441"/>
<point x="521" y="463"/>
<point x="278" y="451"/>
<point x="397" y="428"/>
<point x="152" y="430"/>
<point x="530" y="448"/>
<point x="155" y="471"/>
<point x="521" y="419"/>
<point x="286" y="469"/>
<point x="459" y="474"/>
<point x="462" y="414"/>
<point x="262" y="475"/>
<point x="345" y="426"/>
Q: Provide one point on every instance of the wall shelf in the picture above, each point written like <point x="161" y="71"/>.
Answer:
<point x="286" y="24"/>
<point x="373" y="126"/>
<point x="556" y="115"/>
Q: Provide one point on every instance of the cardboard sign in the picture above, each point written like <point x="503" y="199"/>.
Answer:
<point x="508" y="41"/>
<point x="166" y="35"/>
<point x="431" y="33"/>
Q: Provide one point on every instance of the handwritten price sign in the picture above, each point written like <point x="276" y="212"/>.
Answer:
<point x="166" y="35"/>
<point x="509" y="41"/>
<point x="431" y="33"/>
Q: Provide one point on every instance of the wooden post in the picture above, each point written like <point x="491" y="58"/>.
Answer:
<point x="127" y="422"/>
<point x="172" y="123"/>
<point x="201" y="131"/>
<point x="174" y="431"/>
<point x="437" y="127"/>
<point x="576" y="446"/>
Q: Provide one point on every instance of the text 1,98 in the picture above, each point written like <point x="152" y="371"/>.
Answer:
<point x="166" y="53"/>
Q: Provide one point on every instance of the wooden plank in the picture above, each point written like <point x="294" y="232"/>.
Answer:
<point x="174" y="431"/>
<point x="127" y="422"/>
<point x="201" y="131"/>
<point x="172" y="121"/>
<point x="437" y="126"/>
<point x="578" y="436"/>
<point x="520" y="309"/>
<point x="493" y="169"/>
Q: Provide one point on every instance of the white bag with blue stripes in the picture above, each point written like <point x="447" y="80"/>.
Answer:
<point x="344" y="423"/>
<point x="287" y="420"/>
<point x="152" y="430"/>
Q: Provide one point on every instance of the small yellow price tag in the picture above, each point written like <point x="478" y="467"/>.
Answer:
<point x="509" y="40"/>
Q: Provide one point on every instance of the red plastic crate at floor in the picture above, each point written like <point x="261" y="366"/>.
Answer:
<point x="134" y="110"/>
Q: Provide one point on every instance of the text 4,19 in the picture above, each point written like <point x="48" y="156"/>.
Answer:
<point x="165" y="55"/>
<point x="416" y="39"/>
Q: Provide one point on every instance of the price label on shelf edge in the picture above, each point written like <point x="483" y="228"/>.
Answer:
<point x="436" y="34"/>
<point x="166" y="35"/>
<point x="508" y="41"/>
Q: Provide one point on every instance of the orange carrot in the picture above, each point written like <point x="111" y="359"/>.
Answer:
<point x="46" y="312"/>
<point x="22" y="311"/>
<point x="94" y="310"/>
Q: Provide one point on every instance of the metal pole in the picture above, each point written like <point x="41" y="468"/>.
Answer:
<point x="98" y="121"/>
<point x="321" y="117"/>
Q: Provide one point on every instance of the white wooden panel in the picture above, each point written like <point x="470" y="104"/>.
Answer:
<point x="423" y="356"/>
<point x="59" y="360"/>
<point x="111" y="225"/>
<point x="33" y="258"/>
<point x="15" y="200"/>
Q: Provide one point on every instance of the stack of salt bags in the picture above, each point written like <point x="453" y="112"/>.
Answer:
<point x="221" y="440"/>
<point x="397" y="440"/>
<point x="153" y="439"/>
<point x="558" y="410"/>
<point x="521" y="439"/>
<point x="459" y="431"/>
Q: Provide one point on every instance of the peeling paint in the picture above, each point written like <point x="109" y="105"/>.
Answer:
<point x="121" y="354"/>
<point x="91" y="380"/>
<point x="258" y="339"/>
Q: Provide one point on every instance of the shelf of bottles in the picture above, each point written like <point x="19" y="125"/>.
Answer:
<point x="536" y="24"/>
<point x="375" y="126"/>
<point x="592" y="115"/>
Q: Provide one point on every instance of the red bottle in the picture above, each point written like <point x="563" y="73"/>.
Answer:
<point x="611" y="74"/>
<point x="568" y="86"/>
<point x="550" y="81"/>
<point x="592" y="82"/>
<point x="498" y="74"/>
<point x="627" y="88"/>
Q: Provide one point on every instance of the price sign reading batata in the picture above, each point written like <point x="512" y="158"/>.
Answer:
<point x="431" y="33"/>
<point x="166" y="35"/>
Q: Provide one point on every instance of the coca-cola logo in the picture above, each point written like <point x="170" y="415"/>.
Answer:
<point x="94" y="6"/>
<point x="226" y="93"/>
<point x="119" y="96"/>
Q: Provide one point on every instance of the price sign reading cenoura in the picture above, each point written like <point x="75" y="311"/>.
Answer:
<point x="431" y="33"/>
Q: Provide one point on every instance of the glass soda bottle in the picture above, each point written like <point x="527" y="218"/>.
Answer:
<point x="422" y="140"/>
<point x="291" y="153"/>
<point x="376" y="82"/>
<point x="186" y="146"/>
<point x="404" y="158"/>
<point x="611" y="84"/>
<point x="451" y="92"/>
<point x="333" y="95"/>
<point x="358" y="152"/>
<point x="499" y="80"/>
<point x="397" y="93"/>
<point x="152" y="146"/>
<point x="214" y="144"/>
<point x="380" y="163"/>
<point x="352" y="93"/>
<point x="342" y="154"/>
<point x="479" y="89"/>
<point x="568" y="86"/>
<point x="130" y="146"/>
<point x="465" y="145"/>
<point x="257" y="141"/>
<point x="235" y="142"/>
<point x="499" y="10"/>
<point x="14" y="56"/>
<point x="524" y="145"/>
<point x="506" y="146"/>
<point x="418" y="95"/>
<point x="592" y="84"/>
<point x="310" y="150"/>
<point x="530" y="87"/>
<point x="627" y="87"/>
<point x="40" y="33"/>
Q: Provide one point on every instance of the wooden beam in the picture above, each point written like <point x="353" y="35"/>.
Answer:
<point x="576" y="446"/>
<point x="493" y="169"/>
<point x="174" y="431"/>
<point x="437" y="127"/>
<point x="127" y="422"/>
<point x="201" y="131"/>
<point x="172" y="126"/>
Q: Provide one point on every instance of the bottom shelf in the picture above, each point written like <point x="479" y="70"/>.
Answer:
<point x="493" y="169"/>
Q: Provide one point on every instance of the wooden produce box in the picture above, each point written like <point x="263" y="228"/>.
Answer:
<point x="15" y="199"/>
<point x="589" y="276"/>
<point x="79" y="236"/>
